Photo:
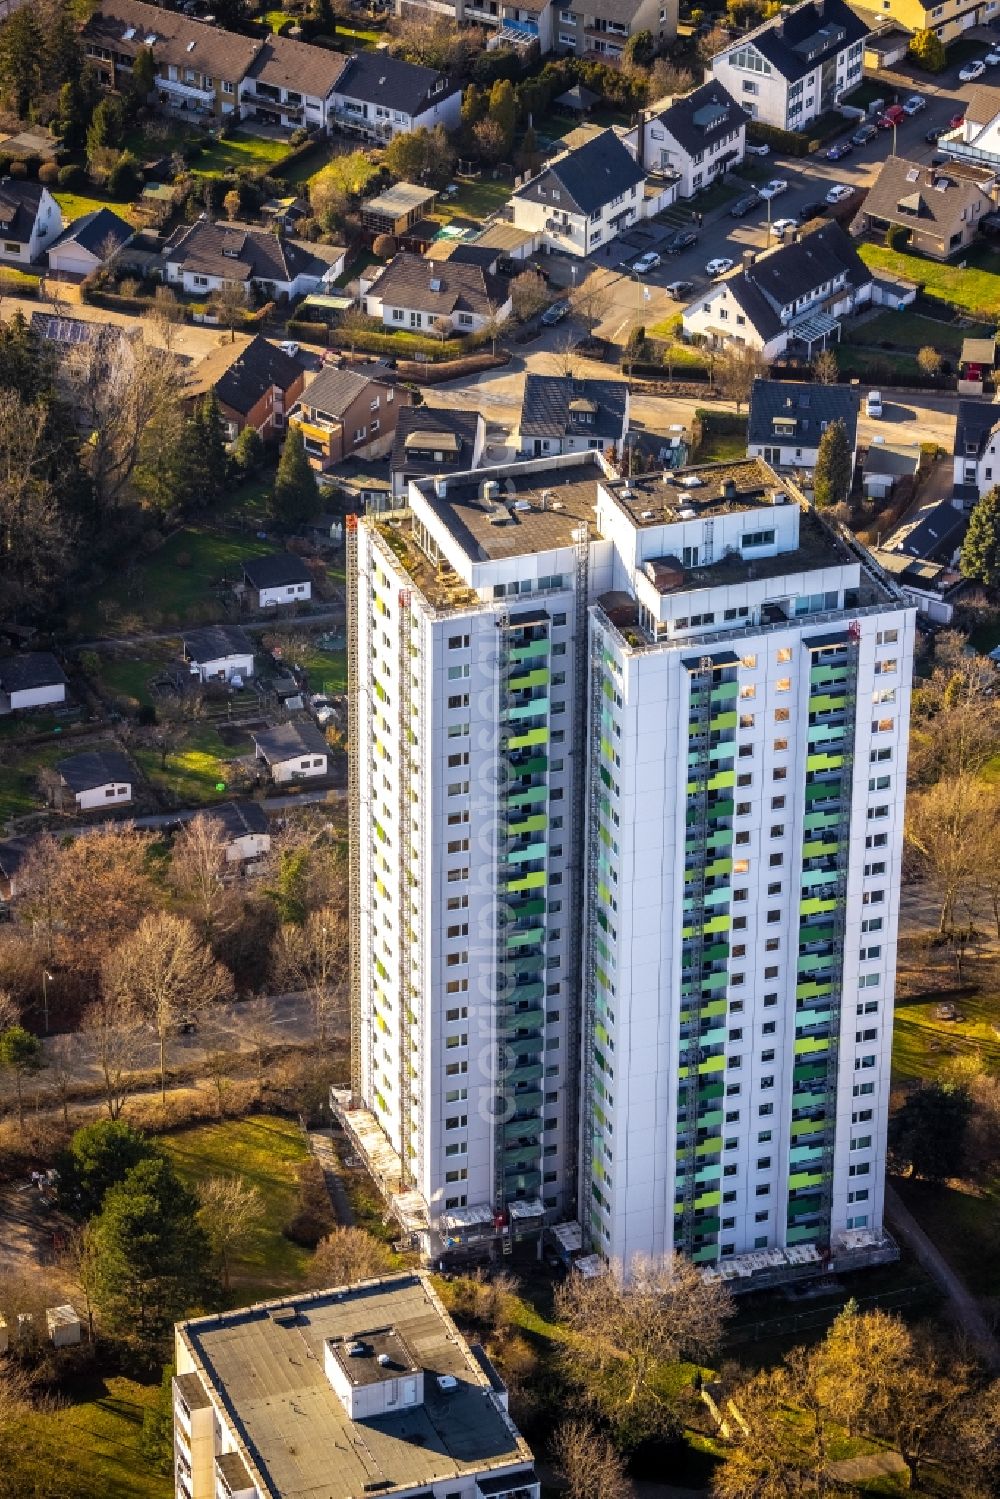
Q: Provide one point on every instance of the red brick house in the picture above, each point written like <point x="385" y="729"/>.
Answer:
<point x="343" y="414"/>
<point x="257" y="385"/>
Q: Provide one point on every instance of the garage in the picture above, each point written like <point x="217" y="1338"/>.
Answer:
<point x="88" y="242"/>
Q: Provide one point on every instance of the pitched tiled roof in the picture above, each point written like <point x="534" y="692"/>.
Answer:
<point x="698" y="120"/>
<point x="931" y="198"/>
<point x="589" y="177"/>
<point x="982" y="104"/>
<point x="237" y="819"/>
<point x="797" y="40"/>
<point x="240" y="376"/>
<point x="334" y="391"/>
<point x="977" y="420"/>
<point x="94" y="768"/>
<point x="216" y="642"/>
<point x="286" y="63"/>
<point x="449" y="420"/>
<point x="545" y="407"/>
<point x="238" y="254"/>
<point x="808" y="406"/>
<point x="32" y="669"/>
<point x="276" y="570"/>
<point x="288" y="740"/>
<point x="95" y="231"/>
<point x="793" y="270"/>
<point x="937" y="535"/>
<point x="19" y="203"/>
<point x="126" y="26"/>
<point x="440" y="287"/>
<point x="377" y="78"/>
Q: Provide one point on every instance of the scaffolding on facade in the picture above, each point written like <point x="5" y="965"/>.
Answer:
<point x="354" y="802"/>
<point x="405" y="867"/>
<point x="577" y="980"/>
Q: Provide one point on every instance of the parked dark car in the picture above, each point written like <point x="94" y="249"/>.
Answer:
<point x="935" y="134"/>
<point x="838" y="151"/>
<point x="681" y="239"/>
<point x="744" y="205"/>
<point x="864" y="134"/>
<point x="812" y="210"/>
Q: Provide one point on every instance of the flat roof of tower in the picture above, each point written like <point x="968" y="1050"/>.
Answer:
<point x="536" y="508"/>
<point x="265" y="1367"/>
<point x="701" y="491"/>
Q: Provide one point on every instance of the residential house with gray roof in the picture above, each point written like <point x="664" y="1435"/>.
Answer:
<point x="30" y="219"/>
<point x="426" y="296"/>
<point x="797" y="65"/>
<point x="580" y="201"/>
<point x="345" y="413"/>
<point x="562" y="415"/>
<point x="601" y="28"/>
<point x="435" y="440"/>
<point x="787" y="300"/>
<point x="88" y="243"/>
<point x="202" y="257"/>
<point x="976" y="453"/>
<point x="940" y="209"/>
<point x="100" y="777"/>
<point x="697" y="137"/>
<point x="378" y="96"/>
<point x="788" y="418"/>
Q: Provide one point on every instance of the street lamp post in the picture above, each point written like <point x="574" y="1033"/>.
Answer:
<point x="46" y="976"/>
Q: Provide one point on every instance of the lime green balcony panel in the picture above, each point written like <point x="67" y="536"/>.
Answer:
<point x="529" y="651"/>
<point x="708" y="1200"/>
<point x="711" y="1064"/>
<point x="813" y="989"/>
<point x="533" y="881"/>
<point x="806" y="1234"/>
<point x="724" y="721"/>
<point x="708" y="1147"/>
<point x="823" y="760"/>
<point x="807" y="1045"/>
<point x="827" y="673"/>
<point x="712" y="870"/>
<point x="800" y="1179"/>
<point x="536" y="823"/>
<point x="819" y="848"/>
<point x="527" y="798"/>
<point x="532" y="737"/>
<point x="814" y="905"/>
<point x="826" y="702"/>
<point x="538" y="677"/>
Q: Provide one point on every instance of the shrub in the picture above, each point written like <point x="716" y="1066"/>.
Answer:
<point x="313" y="1219"/>
<point x="32" y="164"/>
<point x="125" y="179"/>
<point x="5" y="163"/>
<point x="48" y="173"/>
<point x="71" y="177"/>
<point x="789" y="142"/>
<point x="19" y="169"/>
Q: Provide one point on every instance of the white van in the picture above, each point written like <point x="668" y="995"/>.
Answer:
<point x="873" y="403"/>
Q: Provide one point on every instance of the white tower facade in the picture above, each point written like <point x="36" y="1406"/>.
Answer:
<point x="628" y="765"/>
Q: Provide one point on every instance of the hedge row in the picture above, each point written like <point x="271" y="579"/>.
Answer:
<point x="379" y="343"/>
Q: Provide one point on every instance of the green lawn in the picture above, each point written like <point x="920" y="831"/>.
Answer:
<point x="128" y="677"/>
<point x="19" y="776"/>
<point x="196" y="767"/>
<point x="865" y="363"/>
<point x="240" y="150"/>
<point x="264" y="1151"/>
<point x="75" y="204"/>
<point x="474" y="200"/>
<point x="180" y="581"/>
<point x="963" y="1224"/>
<point x="921" y="1043"/>
<point x="327" y="669"/>
<point x="298" y="173"/>
<point x="96" y="1434"/>
<point x="975" y="290"/>
<point x="909" y="330"/>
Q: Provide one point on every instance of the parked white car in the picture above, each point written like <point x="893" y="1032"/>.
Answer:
<point x="716" y="268"/>
<point x="773" y="188"/>
<point x="992" y="59"/>
<point x="838" y="192"/>
<point x="914" y="104"/>
<point x="758" y="150"/>
<point x="873" y="404"/>
<point x="972" y="71"/>
<point x="784" y="226"/>
<point x="646" y="263"/>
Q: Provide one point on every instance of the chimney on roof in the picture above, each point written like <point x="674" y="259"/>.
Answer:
<point x="729" y="489"/>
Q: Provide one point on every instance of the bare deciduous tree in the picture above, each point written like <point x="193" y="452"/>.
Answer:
<point x="529" y="295"/>
<point x="113" y="1028"/>
<point x="736" y="368"/>
<point x="314" y="957"/>
<point x="591" y="300"/>
<point x="231" y="1213"/>
<point x="168" y="974"/>
<point x="229" y="304"/>
<point x="589" y="1462"/>
<point x="346" y="1255"/>
<point x="951" y="825"/>
<point x="197" y="869"/>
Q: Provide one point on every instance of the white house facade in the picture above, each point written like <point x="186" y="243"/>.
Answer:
<point x="422" y="295"/>
<point x="796" y="66"/>
<point x="30" y="219"/>
<point x="976" y="454"/>
<point x="698" y="137"/>
<point x="219" y="653"/>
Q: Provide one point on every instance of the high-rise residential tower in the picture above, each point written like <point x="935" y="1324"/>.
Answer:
<point x="629" y="763"/>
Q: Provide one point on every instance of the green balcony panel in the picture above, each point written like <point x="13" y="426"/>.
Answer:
<point x="530" y="907"/>
<point x="826" y="702"/>
<point x="707" y="1200"/>
<point x="808" y="1045"/>
<point x="531" y="1099"/>
<point x="536" y="823"/>
<point x="814" y="905"/>
<point x="808" y="1072"/>
<point x="824" y="761"/>
<point x="524" y="1072"/>
<point x="721" y="723"/>
<point x="525" y="938"/>
<point x="529" y="651"/>
<point x="805" y="1179"/>
<point x="811" y="961"/>
<point x="822" y="791"/>
<point x="816" y="822"/>
<point x="522" y="1021"/>
<point x="802" y="1128"/>
<point x="538" y="677"/>
<point x="709" y="1147"/>
<point x="527" y="740"/>
<point x="525" y="993"/>
<point x="713" y="1037"/>
<point x="535" y="766"/>
<point x="723" y="691"/>
<point x="522" y="1129"/>
<point x="804" y="1207"/>
<point x="806" y="1234"/>
<point x="526" y="1183"/>
<point x="828" y="674"/>
<point x="710" y="1119"/>
<point x="708" y="1091"/>
<point x="533" y="881"/>
<point x="528" y="797"/>
<point x="706" y="1254"/>
<point x="814" y="989"/>
<point x="805" y="1155"/>
<point x="813" y="880"/>
<point x="809" y="1098"/>
<point x="812" y="1017"/>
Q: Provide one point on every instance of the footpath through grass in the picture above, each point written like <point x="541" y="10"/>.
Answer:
<point x="264" y="1150"/>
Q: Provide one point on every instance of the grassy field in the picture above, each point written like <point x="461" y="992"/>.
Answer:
<point x="19" y="776"/>
<point x="975" y="290"/>
<point x="75" y="204"/>
<point x="97" y="1435"/>
<point x="963" y="1224"/>
<point x="327" y="669"/>
<point x="921" y="1043"/>
<point x="240" y="150"/>
<point x="907" y="330"/>
<point x="264" y="1151"/>
<point x="852" y="360"/>
<point x="196" y="768"/>
<point x="168" y="587"/>
<point x="474" y="200"/>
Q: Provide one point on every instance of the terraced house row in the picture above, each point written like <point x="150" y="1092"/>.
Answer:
<point x="626" y="835"/>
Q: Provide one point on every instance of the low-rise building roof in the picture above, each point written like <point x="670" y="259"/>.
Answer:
<point x="936" y="535"/>
<point x="333" y="391"/>
<point x="239" y="819"/>
<point x="95" y="768"/>
<point x="401" y="198"/>
<point x="285" y="63"/>
<point x="439" y="288"/>
<point x="216" y="642"/>
<point x="276" y="570"/>
<point x="288" y="741"/>
<point x="895" y="458"/>
<point x="19" y="204"/>
<point x="125" y="27"/>
<point x="550" y="404"/>
<point x="975" y="424"/>
<point x="586" y="178"/>
<point x="934" y="199"/>
<point x="30" y="669"/>
<point x="701" y="118"/>
<point x="100" y="232"/>
<point x="436" y="424"/>
<point x="407" y="87"/>
<point x="237" y="253"/>
<point x="240" y="376"/>
<point x="793" y="411"/>
<point x="799" y="39"/>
